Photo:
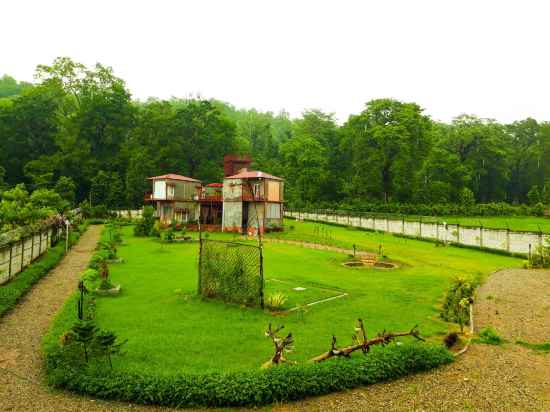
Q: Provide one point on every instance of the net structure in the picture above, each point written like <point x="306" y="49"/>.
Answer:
<point x="232" y="272"/>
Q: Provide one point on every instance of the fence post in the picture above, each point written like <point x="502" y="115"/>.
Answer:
<point x="261" y="277"/>
<point x="458" y="233"/>
<point x="481" y="236"/>
<point x="420" y="223"/>
<point x="22" y="253"/>
<point x="402" y="225"/>
<point x="508" y="239"/>
<point x="32" y="247"/>
<point x="11" y="253"/>
<point x="199" y="292"/>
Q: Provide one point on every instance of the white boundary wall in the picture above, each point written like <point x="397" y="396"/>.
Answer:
<point x="498" y="239"/>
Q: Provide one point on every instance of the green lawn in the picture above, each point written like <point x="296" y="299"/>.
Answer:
<point x="520" y="223"/>
<point x="169" y="329"/>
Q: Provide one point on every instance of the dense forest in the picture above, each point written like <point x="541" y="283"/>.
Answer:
<point x="77" y="131"/>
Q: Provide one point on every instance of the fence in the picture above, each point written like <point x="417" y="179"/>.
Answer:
<point x="129" y="214"/>
<point x="18" y="254"/>
<point x="232" y="272"/>
<point x="497" y="239"/>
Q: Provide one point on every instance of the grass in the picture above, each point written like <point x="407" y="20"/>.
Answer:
<point x="489" y="336"/>
<point x="541" y="347"/>
<point x="169" y="329"/>
<point x="517" y="223"/>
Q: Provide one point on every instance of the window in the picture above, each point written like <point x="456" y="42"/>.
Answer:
<point x="273" y="211"/>
<point x="170" y="191"/>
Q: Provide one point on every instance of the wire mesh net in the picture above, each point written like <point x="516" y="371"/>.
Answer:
<point x="231" y="272"/>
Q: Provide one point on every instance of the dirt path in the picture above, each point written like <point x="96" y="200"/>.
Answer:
<point x="21" y="331"/>
<point x="487" y="378"/>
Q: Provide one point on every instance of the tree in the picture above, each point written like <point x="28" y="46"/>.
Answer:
<point x="534" y="195"/>
<point x="389" y="139"/>
<point x="66" y="188"/>
<point x="467" y="197"/>
<point x="10" y="87"/>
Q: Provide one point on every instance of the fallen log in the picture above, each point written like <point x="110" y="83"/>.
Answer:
<point x="362" y="343"/>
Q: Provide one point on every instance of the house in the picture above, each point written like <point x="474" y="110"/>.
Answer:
<point x="175" y="197"/>
<point x="248" y="201"/>
<point x="252" y="202"/>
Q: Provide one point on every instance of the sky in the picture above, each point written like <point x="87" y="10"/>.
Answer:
<point x="487" y="58"/>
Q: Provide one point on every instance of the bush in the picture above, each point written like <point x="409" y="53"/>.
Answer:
<point x="146" y="225"/>
<point x="457" y="301"/>
<point x="489" y="336"/>
<point x="246" y="388"/>
<point x="11" y="292"/>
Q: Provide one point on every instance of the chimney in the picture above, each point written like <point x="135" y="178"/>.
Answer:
<point x="233" y="164"/>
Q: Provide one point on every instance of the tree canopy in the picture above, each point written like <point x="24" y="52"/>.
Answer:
<point x="78" y="132"/>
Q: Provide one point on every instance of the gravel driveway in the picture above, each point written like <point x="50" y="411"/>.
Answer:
<point x="488" y="378"/>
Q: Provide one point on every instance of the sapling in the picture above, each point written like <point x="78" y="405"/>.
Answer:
<point x="84" y="333"/>
<point x="106" y="341"/>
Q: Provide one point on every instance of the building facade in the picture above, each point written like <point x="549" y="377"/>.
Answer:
<point x="247" y="201"/>
<point x="175" y="197"/>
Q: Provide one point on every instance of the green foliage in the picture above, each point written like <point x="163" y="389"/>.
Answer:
<point x="534" y="195"/>
<point x="457" y="301"/>
<point x="84" y="333"/>
<point x="146" y="225"/>
<point x="541" y="347"/>
<point x="489" y="336"/>
<point x="252" y="388"/>
<point x="275" y="301"/>
<point x="107" y="345"/>
<point x="66" y="188"/>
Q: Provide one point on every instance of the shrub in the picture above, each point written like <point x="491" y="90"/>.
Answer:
<point x="276" y="300"/>
<point x="450" y="339"/>
<point x="456" y="304"/>
<point x="145" y="226"/>
<point x="245" y="388"/>
<point x="489" y="336"/>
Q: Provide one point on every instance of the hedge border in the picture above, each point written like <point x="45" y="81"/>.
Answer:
<point x="16" y="288"/>
<point x="247" y="388"/>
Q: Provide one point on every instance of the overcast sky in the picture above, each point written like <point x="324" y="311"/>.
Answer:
<point x="489" y="58"/>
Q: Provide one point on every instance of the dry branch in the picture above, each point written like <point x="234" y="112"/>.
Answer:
<point x="362" y="343"/>
<point x="282" y="345"/>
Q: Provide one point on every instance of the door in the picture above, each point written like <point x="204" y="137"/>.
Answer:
<point x="245" y="217"/>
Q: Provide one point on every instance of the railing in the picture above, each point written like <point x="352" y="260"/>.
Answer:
<point x="16" y="255"/>
<point x="525" y="243"/>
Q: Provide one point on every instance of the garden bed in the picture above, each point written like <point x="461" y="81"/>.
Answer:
<point x="206" y="352"/>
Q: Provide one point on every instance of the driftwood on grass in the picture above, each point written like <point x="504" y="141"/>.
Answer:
<point x="361" y="342"/>
<point x="282" y="345"/>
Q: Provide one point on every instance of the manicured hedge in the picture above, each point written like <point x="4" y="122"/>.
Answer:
<point x="11" y="292"/>
<point x="250" y="388"/>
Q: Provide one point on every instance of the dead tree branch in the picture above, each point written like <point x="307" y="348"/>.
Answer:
<point x="360" y="342"/>
<point x="282" y="346"/>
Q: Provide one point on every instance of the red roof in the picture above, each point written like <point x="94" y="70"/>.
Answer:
<point x="215" y="185"/>
<point x="253" y="174"/>
<point x="172" y="176"/>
